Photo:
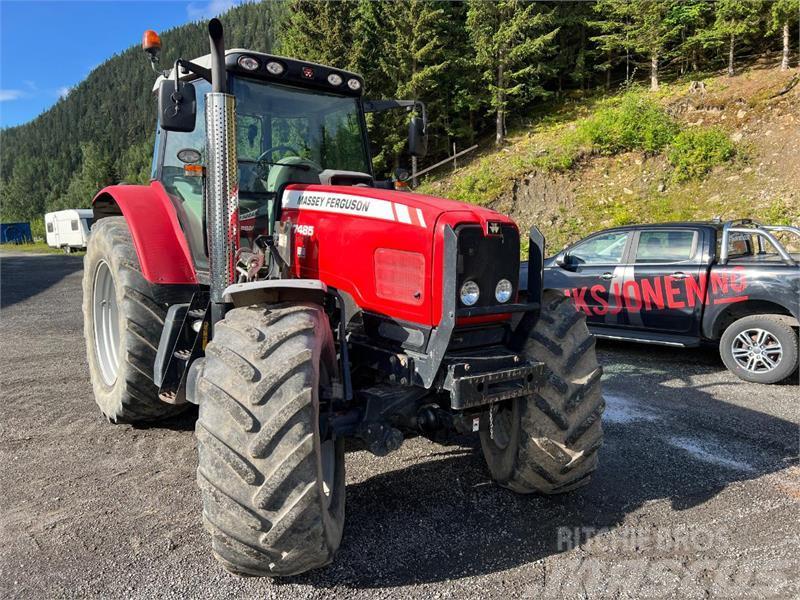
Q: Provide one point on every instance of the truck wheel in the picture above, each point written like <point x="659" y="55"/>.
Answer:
<point x="548" y="442"/>
<point x="760" y="348"/>
<point x="122" y="326"/>
<point x="272" y="486"/>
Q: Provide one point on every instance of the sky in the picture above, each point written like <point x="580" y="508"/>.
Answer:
<point x="48" y="47"/>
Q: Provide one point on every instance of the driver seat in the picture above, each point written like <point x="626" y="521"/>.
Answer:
<point x="283" y="173"/>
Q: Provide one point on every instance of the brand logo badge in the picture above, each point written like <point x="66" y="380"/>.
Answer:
<point x="493" y="228"/>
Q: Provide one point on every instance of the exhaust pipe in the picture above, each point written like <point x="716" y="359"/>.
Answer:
<point x="222" y="177"/>
<point x="219" y="82"/>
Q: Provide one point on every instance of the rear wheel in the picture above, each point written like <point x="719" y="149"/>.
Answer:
<point x="548" y="442"/>
<point x="272" y="482"/>
<point x="122" y="325"/>
<point x="760" y="348"/>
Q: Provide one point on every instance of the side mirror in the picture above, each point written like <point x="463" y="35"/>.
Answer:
<point x="177" y="105"/>
<point x="562" y="260"/>
<point x="417" y="137"/>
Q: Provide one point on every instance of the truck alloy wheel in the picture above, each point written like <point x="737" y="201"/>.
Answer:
<point x="757" y="350"/>
<point x="760" y="348"/>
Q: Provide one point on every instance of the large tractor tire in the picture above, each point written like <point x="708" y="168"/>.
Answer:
<point x="548" y="442"/>
<point x="122" y="326"/>
<point x="273" y="487"/>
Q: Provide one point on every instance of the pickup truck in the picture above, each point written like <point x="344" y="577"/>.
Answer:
<point x="685" y="284"/>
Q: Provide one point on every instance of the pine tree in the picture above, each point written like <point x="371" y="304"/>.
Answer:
<point x="783" y="13"/>
<point x="646" y="27"/>
<point x="736" y="19"/>
<point x="320" y="32"/>
<point x="692" y="19"/>
<point x="96" y="173"/>
<point x="511" y="40"/>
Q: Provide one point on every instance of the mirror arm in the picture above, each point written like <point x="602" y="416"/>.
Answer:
<point x="189" y="66"/>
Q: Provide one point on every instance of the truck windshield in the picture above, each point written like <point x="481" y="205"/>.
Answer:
<point x="296" y="133"/>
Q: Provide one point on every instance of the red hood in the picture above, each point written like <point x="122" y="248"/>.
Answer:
<point x="432" y="206"/>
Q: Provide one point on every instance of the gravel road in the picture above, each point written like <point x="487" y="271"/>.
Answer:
<point x="697" y="495"/>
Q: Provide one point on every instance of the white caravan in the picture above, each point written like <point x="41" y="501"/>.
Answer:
<point x="68" y="229"/>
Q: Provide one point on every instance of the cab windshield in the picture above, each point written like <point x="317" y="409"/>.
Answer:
<point x="290" y="134"/>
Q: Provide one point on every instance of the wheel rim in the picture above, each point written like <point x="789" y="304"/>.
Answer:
<point x="502" y="423"/>
<point x="106" y="323"/>
<point x="757" y="350"/>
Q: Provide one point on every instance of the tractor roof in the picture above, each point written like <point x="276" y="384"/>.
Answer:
<point x="295" y="71"/>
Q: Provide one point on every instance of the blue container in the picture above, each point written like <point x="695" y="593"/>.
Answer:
<point x="15" y="233"/>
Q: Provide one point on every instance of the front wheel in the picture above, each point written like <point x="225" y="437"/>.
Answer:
<point x="548" y="442"/>
<point x="760" y="348"/>
<point x="272" y="480"/>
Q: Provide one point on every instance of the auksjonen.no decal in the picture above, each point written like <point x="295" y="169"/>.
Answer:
<point x="660" y="292"/>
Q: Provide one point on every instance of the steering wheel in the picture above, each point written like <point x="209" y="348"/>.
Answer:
<point x="262" y="164"/>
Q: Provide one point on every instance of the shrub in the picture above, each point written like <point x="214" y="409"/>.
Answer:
<point x="694" y="152"/>
<point x="637" y="123"/>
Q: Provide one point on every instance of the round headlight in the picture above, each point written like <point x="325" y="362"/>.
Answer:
<point x="503" y="290"/>
<point x="274" y="68"/>
<point x="354" y="84"/>
<point x="469" y="293"/>
<point x="335" y="79"/>
<point x="248" y="63"/>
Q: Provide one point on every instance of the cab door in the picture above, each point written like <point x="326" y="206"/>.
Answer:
<point x="591" y="272"/>
<point x="668" y="292"/>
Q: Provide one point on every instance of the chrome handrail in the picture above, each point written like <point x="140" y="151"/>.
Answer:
<point x="762" y="231"/>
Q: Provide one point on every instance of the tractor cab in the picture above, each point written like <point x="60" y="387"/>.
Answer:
<point x="296" y="122"/>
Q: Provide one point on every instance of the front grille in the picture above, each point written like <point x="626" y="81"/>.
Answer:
<point x="486" y="259"/>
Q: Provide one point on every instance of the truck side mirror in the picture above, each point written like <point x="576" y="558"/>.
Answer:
<point x="177" y="105"/>
<point x="417" y="137"/>
<point x="562" y="260"/>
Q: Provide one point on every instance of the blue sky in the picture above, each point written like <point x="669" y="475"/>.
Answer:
<point x="47" y="47"/>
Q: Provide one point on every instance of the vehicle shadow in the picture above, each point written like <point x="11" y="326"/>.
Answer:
<point x="16" y="282"/>
<point x="443" y="519"/>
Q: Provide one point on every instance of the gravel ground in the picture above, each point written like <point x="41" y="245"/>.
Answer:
<point x="697" y="495"/>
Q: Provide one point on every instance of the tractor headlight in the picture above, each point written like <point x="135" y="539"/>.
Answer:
<point x="354" y="84"/>
<point x="248" y="62"/>
<point x="470" y="292"/>
<point x="275" y="68"/>
<point x="503" y="291"/>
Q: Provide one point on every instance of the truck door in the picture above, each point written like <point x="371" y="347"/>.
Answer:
<point x="591" y="272"/>
<point x="668" y="281"/>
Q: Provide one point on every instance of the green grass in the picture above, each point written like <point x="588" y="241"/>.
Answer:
<point x="694" y="152"/>
<point x="635" y="123"/>
<point x="36" y="247"/>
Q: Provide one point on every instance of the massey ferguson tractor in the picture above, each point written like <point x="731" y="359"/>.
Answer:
<point x="266" y="276"/>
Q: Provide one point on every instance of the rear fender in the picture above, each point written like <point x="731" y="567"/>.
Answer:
<point x="157" y="235"/>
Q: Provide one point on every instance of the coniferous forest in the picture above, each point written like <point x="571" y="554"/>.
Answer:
<point x="479" y="65"/>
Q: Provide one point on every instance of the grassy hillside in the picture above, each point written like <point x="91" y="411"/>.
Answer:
<point x="728" y="149"/>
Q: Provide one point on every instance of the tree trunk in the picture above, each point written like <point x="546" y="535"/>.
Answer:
<point x="785" y="61"/>
<point x="654" y="72"/>
<point x="500" y="124"/>
<point x="730" y="56"/>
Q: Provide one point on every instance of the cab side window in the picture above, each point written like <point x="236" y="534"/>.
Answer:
<point x="604" y="249"/>
<point x="660" y="246"/>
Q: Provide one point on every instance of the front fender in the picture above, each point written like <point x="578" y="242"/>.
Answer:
<point x="160" y="244"/>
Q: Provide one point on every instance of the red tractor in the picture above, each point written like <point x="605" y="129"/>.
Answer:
<point x="266" y="276"/>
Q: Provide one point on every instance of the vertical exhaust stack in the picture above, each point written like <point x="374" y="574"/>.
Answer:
<point x="222" y="177"/>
